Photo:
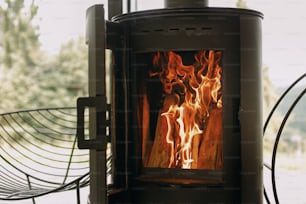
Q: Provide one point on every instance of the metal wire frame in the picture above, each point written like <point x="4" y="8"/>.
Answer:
<point x="39" y="154"/>
<point x="279" y="133"/>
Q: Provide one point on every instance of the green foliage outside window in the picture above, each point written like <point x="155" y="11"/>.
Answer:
<point x="31" y="78"/>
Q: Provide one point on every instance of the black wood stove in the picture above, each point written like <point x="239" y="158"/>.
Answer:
<point x="180" y="113"/>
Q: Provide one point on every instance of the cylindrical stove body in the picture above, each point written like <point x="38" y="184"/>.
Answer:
<point x="154" y="95"/>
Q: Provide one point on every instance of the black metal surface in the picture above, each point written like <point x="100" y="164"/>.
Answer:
<point x="185" y="3"/>
<point x="115" y="7"/>
<point x="95" y="37"/>
<point x="237" y="33"/>
<point x="216" y="12"/>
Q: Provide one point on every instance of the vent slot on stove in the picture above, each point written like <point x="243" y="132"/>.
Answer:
<point x="199" y="30"/>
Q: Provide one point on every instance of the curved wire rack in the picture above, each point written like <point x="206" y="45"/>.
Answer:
<point x="272" y="166"/>
<point x="39" y="154"/>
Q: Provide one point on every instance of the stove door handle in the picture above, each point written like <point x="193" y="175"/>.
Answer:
<point x="99" y="103"/>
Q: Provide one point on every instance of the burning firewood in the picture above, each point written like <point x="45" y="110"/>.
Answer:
<point x="210" y="151"/>
<point x="145" y="121"/>
<point x="160" y="155"/>
<point x="206" y="147"/>
<point x="188" y="133"/>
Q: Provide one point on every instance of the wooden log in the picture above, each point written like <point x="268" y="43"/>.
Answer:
<point x="161" y="150"/>
<point x="210" y="152"/>
<point x="195" y="151"/>
<point x="145" y="131"/>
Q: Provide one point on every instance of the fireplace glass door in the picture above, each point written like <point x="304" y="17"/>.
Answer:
<point x="179" y="110"/>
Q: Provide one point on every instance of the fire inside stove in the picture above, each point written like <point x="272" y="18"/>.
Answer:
<point x="180" y="111"/>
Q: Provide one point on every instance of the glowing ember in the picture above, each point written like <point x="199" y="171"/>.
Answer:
<point x="189" y="126"/>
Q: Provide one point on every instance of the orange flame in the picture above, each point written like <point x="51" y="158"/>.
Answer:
<point x="196" y="88"/>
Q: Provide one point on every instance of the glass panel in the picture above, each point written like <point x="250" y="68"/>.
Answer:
<point x="180" y="110"/>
